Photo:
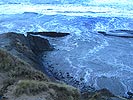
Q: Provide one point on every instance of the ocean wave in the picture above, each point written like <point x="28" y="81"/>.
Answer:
<point x="66" y="9"/>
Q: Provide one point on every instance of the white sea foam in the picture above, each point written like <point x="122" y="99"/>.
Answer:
<point x="67" y="9"/>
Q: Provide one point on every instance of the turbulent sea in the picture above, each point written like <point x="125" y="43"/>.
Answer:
<point x="85" y="55"/>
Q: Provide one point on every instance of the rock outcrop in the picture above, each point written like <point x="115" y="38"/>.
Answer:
<point x="38" y="44"/>
<point x="49" y="34"/>
<point x="118" y="33"/>
<point x="26" y="48"/>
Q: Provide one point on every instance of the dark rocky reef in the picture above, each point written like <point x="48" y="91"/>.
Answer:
<point x="127" y="31"/>
<point x="49" y="34"/>
<point x="118" y="33"/>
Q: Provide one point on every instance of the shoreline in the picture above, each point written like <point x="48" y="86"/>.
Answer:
<point x="26" y="51"/>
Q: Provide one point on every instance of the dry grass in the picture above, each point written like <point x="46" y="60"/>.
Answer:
<point x="17" y="68"/>
<point x="64" y="92"/>
<point x="27" y="80"/>
<point x="30" y="87"/>
<point x="56" y="90"/>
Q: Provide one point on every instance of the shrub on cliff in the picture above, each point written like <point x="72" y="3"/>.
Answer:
<point x="30" y="87"/>
<point x="17" y="68"/>
<point x="65" y="92"/>
<point x="55" y="90"/>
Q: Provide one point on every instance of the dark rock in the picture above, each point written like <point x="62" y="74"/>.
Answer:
<point x="130" y="93"/>
<point x="81" y="79"/>
<point x="4" y="98"/>
<point x="49" y="34"/>
<point x="102" y="32"/>
<point x="30" y="13"/>
<point x="38" y="44"/>
<point x="118" y="33"/>
<point x="127" y="31"/>
<point x="21" y="44"/>
<point x="105" y="92"/>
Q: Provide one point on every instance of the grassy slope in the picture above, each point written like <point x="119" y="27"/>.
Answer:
<point x="26" y="80"/>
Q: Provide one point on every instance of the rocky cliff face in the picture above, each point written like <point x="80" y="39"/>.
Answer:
<point x="21" y="76"/>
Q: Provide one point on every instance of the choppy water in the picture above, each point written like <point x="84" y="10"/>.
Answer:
<point x="89" y="57"/>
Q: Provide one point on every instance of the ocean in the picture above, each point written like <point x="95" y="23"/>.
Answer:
<point x="85" y="56"/>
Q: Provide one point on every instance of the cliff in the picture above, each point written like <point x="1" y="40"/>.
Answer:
<point x="20" y="77"/>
